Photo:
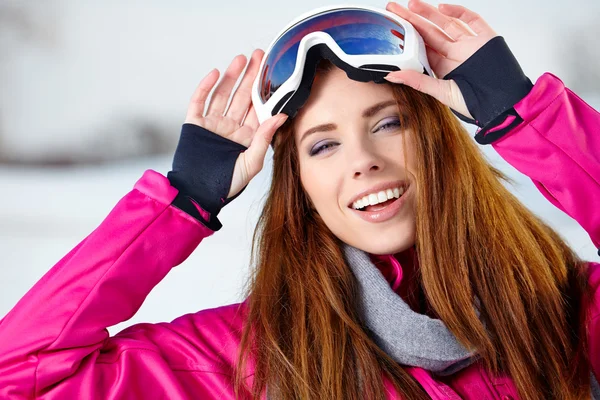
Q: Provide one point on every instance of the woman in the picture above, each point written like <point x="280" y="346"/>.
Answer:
<point x="390" y="260"/>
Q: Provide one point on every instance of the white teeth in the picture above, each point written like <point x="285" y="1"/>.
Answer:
<point x="379" y="197"/>
<point x="373" y="199"/>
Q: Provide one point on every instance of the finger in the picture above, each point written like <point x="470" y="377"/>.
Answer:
<point x="255" y="155"/>
<point x="446" y="23"/>
<point x="435" y="59"/>
<point x="222" y="92"/>
<point x="431" y="34"/>
<point x="243" y="94"/>
<point x="472" y="19"/>
<point x="198" y="101"/>
<point x="445" y="91"/>
<point x="251" y="119"/>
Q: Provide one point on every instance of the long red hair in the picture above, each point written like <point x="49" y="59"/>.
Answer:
<point x="473" y="239"/>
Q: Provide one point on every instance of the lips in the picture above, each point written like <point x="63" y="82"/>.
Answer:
<point x="386" y="213"/>
<point x="379" y="206"/>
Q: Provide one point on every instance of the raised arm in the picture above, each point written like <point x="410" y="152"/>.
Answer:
<point x="557" y="145"/>
<point x="54" y="343"/>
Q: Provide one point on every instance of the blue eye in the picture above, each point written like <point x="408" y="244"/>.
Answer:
<point x="395" y="123"/>
<point x="319" y="149"/>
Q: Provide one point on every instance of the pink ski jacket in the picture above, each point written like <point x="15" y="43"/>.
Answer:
<point x="54" y="343"/>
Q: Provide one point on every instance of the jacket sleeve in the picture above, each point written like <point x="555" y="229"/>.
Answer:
<point x="55" y="339"/>
<point x="558" y="146"/>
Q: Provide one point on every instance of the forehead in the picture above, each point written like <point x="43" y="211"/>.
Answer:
<point x="335" y="97"/>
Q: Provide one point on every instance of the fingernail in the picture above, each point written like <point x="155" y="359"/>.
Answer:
<point x="281" y="120"/>
<point x="393" y="79"/>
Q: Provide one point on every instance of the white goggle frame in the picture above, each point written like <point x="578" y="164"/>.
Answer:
<point x="413" y="57"/>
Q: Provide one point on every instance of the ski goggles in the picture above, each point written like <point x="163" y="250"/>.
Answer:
<point x="367" y="43"/>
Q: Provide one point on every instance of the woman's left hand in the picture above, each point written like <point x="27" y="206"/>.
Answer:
<point x="455" y="35"/>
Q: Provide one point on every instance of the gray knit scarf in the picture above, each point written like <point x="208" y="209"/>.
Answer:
<point x="408" y="337"/>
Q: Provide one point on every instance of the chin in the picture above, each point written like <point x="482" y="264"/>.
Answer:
<point x="390" y="237"/>
<point x="388" y="243"/>
<point x="395" y="239"/>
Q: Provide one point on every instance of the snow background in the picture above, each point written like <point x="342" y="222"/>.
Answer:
<point x="89" y="74"/>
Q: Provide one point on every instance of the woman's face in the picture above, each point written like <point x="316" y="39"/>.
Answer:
<point x="355" y="151"/>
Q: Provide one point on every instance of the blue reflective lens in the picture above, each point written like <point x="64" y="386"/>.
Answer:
<point x="355" y="31"/>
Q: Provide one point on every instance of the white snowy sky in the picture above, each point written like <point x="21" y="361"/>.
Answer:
<point x="96" y="63"/>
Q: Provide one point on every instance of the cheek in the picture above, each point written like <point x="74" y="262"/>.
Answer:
<point x="321" y="186"/>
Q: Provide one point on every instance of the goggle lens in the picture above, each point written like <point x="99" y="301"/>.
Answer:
<point x="357" y="32"/>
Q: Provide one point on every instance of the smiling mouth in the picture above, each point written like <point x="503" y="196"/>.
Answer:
<point x="378" y="201"/>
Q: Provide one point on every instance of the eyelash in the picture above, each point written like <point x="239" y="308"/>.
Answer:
<point x="320" y="149"/>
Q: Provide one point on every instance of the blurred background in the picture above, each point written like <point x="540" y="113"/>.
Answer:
<point x="93" y="93"/>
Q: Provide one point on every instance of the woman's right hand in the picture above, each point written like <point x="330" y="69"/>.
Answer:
<point x="239" y="122"/>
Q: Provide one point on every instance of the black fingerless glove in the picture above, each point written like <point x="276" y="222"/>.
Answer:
<point x="492" y="82"/>
<point x="202" y="172"/>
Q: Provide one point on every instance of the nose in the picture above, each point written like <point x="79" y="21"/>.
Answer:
<point x="364" y="159"/>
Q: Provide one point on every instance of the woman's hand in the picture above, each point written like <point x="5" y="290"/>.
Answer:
<point x="455" y="35"/>
<point x="239" y="122"/>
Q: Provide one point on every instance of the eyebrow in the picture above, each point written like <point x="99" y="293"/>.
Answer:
<point x="369" y="112"/>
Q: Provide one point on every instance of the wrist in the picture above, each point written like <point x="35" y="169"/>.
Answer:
<point x="491" y="81"/>
<point x="203" y="167"/>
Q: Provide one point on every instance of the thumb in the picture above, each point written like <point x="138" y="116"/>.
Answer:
<point x="255" y="155"/>
<point x="445" y="91"/>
